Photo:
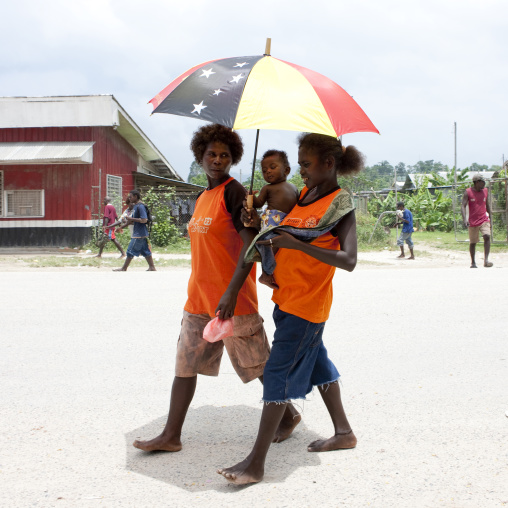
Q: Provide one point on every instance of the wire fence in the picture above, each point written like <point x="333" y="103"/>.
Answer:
<point x="447" y="215"/>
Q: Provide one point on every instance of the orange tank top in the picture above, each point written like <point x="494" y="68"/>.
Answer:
<point x="305" y="284"/>
<point x="215" y="249"/>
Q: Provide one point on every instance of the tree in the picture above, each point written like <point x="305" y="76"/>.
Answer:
<point x="297" y="180"/>
<point x="384" y="168"/>
<point x="401" y="170"/>
<point x="199" y="180"/>
<point x="477" y="168"/>
<point x="259" y="181"/>
<point x="194" y="171"/>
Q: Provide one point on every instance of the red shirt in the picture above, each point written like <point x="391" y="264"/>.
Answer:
<point x="109" y="213"/>
<point x="477" y="206"/>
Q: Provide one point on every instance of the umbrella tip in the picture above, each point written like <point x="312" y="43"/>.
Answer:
<point x="268" y="46"/>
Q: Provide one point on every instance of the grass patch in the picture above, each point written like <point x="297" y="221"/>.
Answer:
<point x="62" y="262"/>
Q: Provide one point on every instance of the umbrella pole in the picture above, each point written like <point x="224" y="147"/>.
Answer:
<point x="250" y="197"/>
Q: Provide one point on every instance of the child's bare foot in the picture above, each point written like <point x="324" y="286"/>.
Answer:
<point x="336" y="442"/>
<point x="401" y="256"/>
<point x="287" y="425"/>
<point x="488" y="264"/>
<point x="119" y="270"/>
<point x="411" y="257"/>
<point x="160" y="443"/>
<point x="98" y="256"/>
<point x="473" y="265"/>
<point x="242" y="473"/>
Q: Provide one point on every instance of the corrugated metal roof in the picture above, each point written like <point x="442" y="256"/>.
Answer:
<point x="180" y="187"/>
<point x="81" y="111"/>
<point x="69" y="152"/>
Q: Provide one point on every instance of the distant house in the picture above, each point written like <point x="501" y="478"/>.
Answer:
<point x="59" y="158"/>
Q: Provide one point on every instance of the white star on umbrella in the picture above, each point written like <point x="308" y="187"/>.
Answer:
<point x="198" y="107"/>
<point x="236" y="78"/>
<point x="240" y="64"/>
<point x="217" y="92"/>
<point x="207" y="73"/>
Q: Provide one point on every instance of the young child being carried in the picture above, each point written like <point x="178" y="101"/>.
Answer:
<point x="279" y="195"/>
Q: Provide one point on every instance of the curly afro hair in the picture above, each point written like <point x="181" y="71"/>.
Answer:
<point x="348" y="159"/>
<point x="283" y="156"/>
<point x="216" y="133"/>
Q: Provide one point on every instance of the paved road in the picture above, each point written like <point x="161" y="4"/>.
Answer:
<point x="87" y="358"/>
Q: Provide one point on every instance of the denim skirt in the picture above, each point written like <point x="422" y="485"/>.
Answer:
<point x="298" y="360"/>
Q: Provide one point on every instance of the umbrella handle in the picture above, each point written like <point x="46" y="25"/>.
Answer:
<point x="250" y="206"/>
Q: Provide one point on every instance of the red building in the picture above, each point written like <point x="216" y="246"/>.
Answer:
<point x="59" y="158"/>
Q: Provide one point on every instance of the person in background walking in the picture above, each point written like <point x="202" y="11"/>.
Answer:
<point x="476" y="198"/>
<point x="109" y="217"/>
<point x="406" y="218"/>
<point x="139" y="237"/>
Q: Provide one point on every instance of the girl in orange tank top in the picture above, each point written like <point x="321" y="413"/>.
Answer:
<point x="302" y="293"/>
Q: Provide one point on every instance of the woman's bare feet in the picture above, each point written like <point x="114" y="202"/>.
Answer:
<point x="160" y="443"/>
<point x="336" y="442"/>
<point x="242" y="473"/>
<point x="286" y="426"/>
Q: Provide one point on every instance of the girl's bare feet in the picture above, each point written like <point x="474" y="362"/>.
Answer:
<point x="160" y="443"/>
<point x="336" y="442"/>
<point x="242" y="473"/>
<point x="287" y="425"/>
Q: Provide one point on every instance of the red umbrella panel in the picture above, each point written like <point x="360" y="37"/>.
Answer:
<point x="263" y="92"/>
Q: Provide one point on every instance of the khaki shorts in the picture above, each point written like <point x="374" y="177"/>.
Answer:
<point x="474" y="232"/>
<point x="248" y="349"/>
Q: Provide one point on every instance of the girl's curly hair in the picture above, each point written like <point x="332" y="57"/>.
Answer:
<point x="216" y="133"/>
<point x="348" y="160"/>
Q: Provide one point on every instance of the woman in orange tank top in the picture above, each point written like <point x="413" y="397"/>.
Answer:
<point x="220" y="284"/>
<point x="303" y="297"/>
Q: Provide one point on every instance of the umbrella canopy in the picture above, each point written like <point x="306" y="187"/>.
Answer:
<point x="263" y="92"/>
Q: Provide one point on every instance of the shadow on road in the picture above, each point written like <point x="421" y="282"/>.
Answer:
<point x="217" y="437"/>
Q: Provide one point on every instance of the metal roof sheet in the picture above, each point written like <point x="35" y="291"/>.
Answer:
<point x="69" y="152"/>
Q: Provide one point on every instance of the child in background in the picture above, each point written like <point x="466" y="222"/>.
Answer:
<point x="279" y="195"/>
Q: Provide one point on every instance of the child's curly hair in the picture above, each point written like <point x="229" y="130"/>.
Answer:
<point x="283" y="156"/>
<point x="348" y="159"/>
<point x="216" y="133"/>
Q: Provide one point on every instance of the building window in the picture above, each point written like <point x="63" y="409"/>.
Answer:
<point x="24" y="203"/>
<point x="114" y="190"/>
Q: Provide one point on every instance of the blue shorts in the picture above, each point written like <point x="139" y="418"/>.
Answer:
<point x="405" y="237"/>
<point x="138" y="246"/>
<point x="298" y="360"/>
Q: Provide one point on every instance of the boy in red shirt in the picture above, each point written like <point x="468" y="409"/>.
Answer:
<point x="476" y="197"/>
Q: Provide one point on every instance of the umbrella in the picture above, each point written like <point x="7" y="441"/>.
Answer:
<point x="263" y="92"/>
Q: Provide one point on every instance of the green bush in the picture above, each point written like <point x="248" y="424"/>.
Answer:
<point x="365" y="226"/>
<point x="164" y="232"/>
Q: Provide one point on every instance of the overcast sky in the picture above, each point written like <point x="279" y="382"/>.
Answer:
<point x="415" y="67"/>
